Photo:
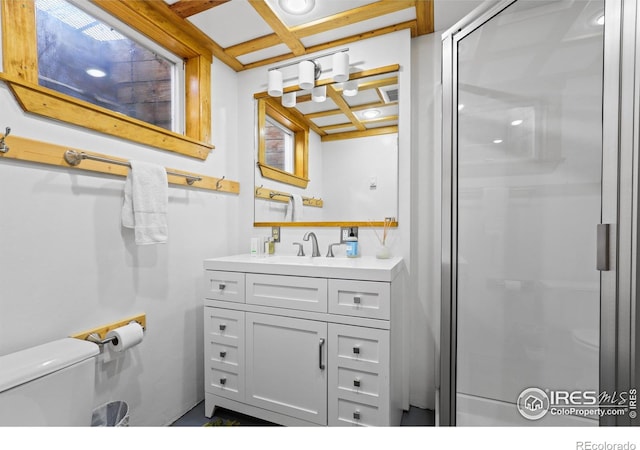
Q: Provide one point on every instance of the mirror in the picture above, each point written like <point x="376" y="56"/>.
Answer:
<point x="348" y="170"/>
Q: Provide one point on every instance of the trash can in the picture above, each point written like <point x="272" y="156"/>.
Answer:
<point x="112" y="414"/>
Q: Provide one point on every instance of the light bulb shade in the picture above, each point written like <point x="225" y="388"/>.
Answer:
<point x="319" y="94"/>
<point x="306" y="74"/>
<point x="289" y="99"/>
<point x="350" y="88"/>
<point x="340" y="66"/>
<point x="275" y="83"/>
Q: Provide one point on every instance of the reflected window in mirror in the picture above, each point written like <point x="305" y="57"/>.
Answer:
<point x="278" y="145"/>
<point x="283" y="145"/>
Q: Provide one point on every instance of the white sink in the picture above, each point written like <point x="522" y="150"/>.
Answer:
<point x="365" y="268"/>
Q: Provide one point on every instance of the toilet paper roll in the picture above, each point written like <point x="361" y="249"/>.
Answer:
<point x="126" y="336"/>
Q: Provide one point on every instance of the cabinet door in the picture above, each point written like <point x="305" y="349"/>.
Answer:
<point x="286" y="366"/>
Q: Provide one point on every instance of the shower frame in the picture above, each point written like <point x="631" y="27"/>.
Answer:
<point x="619" y="314"/>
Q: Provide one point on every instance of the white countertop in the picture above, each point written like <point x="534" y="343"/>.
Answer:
<point x="367" y="268"/>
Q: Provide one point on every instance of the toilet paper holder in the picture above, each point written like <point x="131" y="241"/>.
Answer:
<point x="98" y="335"/>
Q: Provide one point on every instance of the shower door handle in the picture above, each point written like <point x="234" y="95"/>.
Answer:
<point x="602" y="250"/>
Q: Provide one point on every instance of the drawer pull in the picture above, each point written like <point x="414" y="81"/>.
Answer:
<point x="356" y="383"/>
<point x="320" y="362"/>
<point x="222" y="286"/>
<point x="222" y="327"/>
<point x="223" y="381"/>
<point x="223" y="354"/>
<point x="356" y="415"/>
<point x="356" y="350"/>
<point x="356" y="300"/>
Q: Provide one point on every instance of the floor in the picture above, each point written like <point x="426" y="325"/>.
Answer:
<point x="415" y="417"/>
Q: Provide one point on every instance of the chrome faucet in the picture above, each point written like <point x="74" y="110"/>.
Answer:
<point x="314" y="243"/>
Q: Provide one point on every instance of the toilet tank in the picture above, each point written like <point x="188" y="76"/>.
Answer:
<point x="48" y="385"/>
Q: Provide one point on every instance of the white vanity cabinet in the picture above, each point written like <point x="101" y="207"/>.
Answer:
<point x="297" y="343"/>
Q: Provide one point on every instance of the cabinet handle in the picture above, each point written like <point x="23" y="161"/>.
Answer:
<point x="222" y="327"/>
<point x="223" y="354"/>
<point x="221" y="286"/>
<point x="320" y="363"/>
<point x="356" y="415"/>
<point x="223" y="381"/>
<point x="356" y="383"/>
<point x="356" y="350"/>
<point x="356" y="300"/>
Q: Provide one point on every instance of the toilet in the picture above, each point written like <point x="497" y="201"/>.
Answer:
<point x="48" y="385"/>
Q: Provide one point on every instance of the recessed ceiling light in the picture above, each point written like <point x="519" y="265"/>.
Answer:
<point x="460" y="107"/>
<point x="600" y="20"/>
<point x="96" y="73"/>
<point x="516" y="122"/>
<point x="297" y="7"/>
<point x="371" y="113"/>
<point x="497" y="141"/>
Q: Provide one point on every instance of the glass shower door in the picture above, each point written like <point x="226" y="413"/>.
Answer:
<point x="529" y="164"/>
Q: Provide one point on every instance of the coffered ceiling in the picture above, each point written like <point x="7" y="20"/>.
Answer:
<point x="254" y="33"/>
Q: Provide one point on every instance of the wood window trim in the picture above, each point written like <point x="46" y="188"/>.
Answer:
<point x="153" y="19"/>
<point x="285" y="117"/>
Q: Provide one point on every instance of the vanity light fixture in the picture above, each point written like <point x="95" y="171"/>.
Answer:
<point x="497" y="141"/>
<point x="516" y="122"/>
<point x="289" y="99"/>
<point x="307" y="74"/>
<point x="350" y="88"/>
<point x="319" y="94"/>
<point x="275" y="83"/>
<point x="340" y="71"/>
<point x="309" y="71"/>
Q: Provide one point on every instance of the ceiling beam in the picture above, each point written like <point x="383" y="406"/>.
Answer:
<point x="351" y="16"/>
<point x="187" y="8"/>
<point x="344" y="107"/>
<point x="358" y="134"/>
<point x="424" y="16"/>
<point x="337" y="43"/>
<point x="283" y="32"/>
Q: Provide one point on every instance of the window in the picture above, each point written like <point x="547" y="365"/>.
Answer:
<point x="82" y="56"/>
<point x="283" y="144"/>
<point x="279" y="146"/>
<point x="138" y="96"/>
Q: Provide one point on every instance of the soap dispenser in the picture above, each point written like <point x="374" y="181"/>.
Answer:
<point x="352" y="245"/>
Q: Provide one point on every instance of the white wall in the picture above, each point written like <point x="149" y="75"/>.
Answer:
<point x="348" y="168"/>
<point x="67" y="265"/>
<point x="426" y="173"/>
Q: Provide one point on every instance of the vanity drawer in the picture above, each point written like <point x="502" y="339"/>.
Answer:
<point x="227" y="286"/>
<point x="224" y="383"/>
<point x="359" y="347"/>
<point x="223" y="355"/>
<point x="359" y="383"/>
<point x="223" y="326"/>
<point x="360" y="298"/>
<point x="350" y="413"/>
<point x="304" y="293"/>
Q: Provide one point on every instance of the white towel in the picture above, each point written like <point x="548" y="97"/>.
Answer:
<point x="146" y="196"/>
<point x="294" y="209"/>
